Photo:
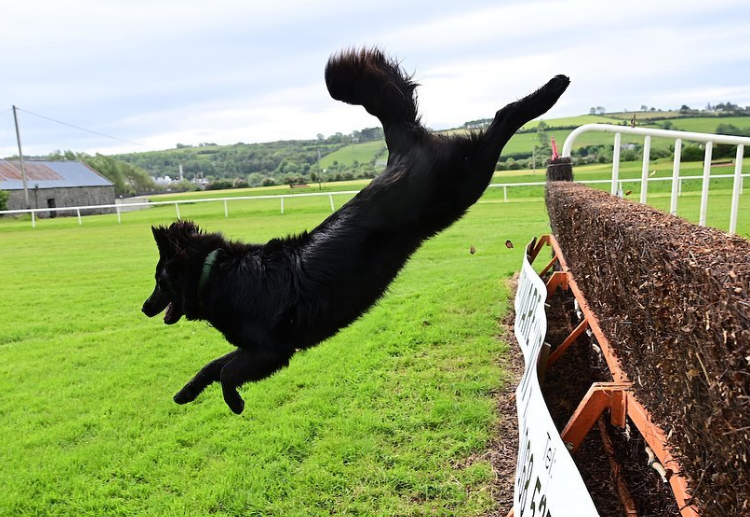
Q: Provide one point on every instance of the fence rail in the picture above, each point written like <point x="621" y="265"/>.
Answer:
<point x="125" y="207"/>
<point x="120" y="207"/>
<point x="708" y="139"/>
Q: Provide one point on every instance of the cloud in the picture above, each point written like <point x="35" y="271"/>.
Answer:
<point x="163" y="71"/>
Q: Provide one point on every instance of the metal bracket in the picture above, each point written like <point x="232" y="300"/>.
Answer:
<point x="600" y="397"/>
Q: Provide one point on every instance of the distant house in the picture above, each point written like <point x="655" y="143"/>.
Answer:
<point x="56" y="185"/>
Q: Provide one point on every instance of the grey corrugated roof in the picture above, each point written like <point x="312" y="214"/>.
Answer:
<point x="49" y="175"/>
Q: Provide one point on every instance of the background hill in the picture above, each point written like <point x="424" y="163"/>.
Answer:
<point x="363" y="153"/>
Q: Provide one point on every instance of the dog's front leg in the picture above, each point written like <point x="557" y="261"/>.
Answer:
<point x="248" y="365"/>
<point x="207" y="375"/>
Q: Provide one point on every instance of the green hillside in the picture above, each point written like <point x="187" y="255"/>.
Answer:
<point x="523" y="143"/>
<point x="703" y="124"/>
<point x="362" y="153"/>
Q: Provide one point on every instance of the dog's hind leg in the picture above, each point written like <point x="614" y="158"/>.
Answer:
<point x="206" y="376"/>
<point x="485" y="151"/>
<point x="248" y="365"/>
<point x="509" y="119"/>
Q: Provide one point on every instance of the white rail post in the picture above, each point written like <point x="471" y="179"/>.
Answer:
<point x="676" y="184"/>
<point x="282" y="205"/>
<point x="177" y="209"/>
<point x="33" y="220"/>
<point x="706" y="181"/>
<point x="505" y="193"/>
<point x="644" y="170"/>
<point x="736" y="188"/>
<point x="119" y="218"/>
<point x="330" y="197"/>
<point x="616" y="164"/>
<point x="78" y="211"/>
<point x="226" y="209"/>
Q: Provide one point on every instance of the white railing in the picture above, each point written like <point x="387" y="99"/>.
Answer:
<point x="120" y="207"/>
<point x="620" y="183"/>
<point x="125" y="207"/>
<point x="678" y="137"/>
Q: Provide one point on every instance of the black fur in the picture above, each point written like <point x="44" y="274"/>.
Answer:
<point x="292" y="293"/>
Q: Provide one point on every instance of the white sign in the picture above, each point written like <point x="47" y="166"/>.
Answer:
<point x="548" y="483"/>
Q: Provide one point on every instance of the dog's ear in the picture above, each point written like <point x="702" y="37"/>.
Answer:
<point x="184" y="228"/>
<point x="161" y="236"/>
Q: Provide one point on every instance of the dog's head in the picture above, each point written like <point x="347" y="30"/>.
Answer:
<point x="169" y="271"/>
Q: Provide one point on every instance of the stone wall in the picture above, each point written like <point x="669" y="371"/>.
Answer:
<point x="65" y="197"/>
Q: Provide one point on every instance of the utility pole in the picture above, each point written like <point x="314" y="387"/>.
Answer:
<point x="20" y="157"/>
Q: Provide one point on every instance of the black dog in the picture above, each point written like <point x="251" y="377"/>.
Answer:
<point x="292" y="293"/>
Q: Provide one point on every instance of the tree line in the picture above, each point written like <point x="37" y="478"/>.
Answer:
<point x="211" y="166"/>
<point x="258" y="164"/>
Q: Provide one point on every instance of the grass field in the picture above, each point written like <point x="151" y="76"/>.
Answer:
<point x="387" y="418"/>
<point x="380" y="420"/>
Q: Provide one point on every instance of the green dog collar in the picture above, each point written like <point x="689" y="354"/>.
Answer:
<point x="206" y="271"/>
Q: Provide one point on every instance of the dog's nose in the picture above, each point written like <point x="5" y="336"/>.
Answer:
<point x="148" y="311"/>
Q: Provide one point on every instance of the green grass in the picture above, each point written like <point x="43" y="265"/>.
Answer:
<point x="283" y="190"/>
<point x="570" y="121"/>
<point x="372" y="422"/>
<point x="643" y="115"/>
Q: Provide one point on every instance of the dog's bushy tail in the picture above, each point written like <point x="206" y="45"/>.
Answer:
<point x="368" y="78"/>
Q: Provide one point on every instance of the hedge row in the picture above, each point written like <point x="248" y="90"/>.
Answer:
<point x="673" y="299"/>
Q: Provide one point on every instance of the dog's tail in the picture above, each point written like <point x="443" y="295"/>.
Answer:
<point x="368" y="78"/>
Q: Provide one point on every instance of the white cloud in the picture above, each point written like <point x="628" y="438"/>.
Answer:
<point x="163" y="71"/>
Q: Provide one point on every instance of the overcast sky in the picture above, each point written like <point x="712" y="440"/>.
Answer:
<point x="155" y="73"/>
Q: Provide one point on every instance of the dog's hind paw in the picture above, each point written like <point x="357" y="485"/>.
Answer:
<point x="234" y="401"/>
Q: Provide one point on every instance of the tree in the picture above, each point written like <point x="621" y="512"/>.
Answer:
<point x="371" y="133"/>
<point x="128" y="179"/>
<point x="542" y="135"/>
<point x="220" y="185"/>
<point x="255" y="179"/>
<point x="691" y="153"/>
<point x="4" y="195"/>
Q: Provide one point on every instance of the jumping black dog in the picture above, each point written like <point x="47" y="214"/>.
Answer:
<point x="272" y="299"/>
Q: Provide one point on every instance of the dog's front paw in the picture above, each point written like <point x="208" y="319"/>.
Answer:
<point x="187" y="394"/>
